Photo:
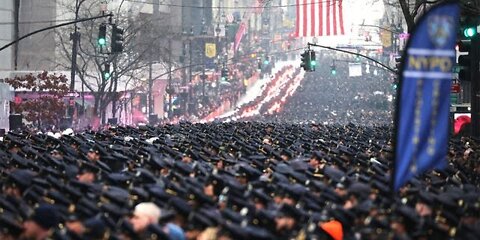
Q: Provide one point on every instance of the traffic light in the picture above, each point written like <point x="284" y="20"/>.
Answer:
<point x="106" y="71"/>
<point x="468" y="27"/>
<point x="102" y="35"/>
<point x="464" y="60"/>
<point x="469" y="31"/>
<point x="395" y="85"/>
<point x="313" y="61"/>
<point x="308" y="60"/>
<point x="304" y="57"/>
<point x="266" y="61"/>
<point x="333" y="69"/>
<point x="117" y="39"/>
<point x="225" y="74"/>
<point x="398" y="63"/>
<point x="259" y="63"/>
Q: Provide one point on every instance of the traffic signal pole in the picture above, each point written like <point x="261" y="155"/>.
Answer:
<point x="75" y="37"/>
<point x="475" y="84"/>
<point x="354" y="53"/>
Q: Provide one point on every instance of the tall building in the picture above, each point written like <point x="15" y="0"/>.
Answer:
<point x="18" y="18"/>
<point x="36" y="52"/>
<point x="7" y="17"/>
<point x="193" y="11"/>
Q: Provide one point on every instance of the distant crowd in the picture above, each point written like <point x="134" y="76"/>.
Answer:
<point x="340" y="99"/>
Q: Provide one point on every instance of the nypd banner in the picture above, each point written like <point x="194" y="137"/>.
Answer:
<point x="422" y="122"/>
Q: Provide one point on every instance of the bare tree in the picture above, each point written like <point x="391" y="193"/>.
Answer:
<point x="144" y="39"/>
<point x="412" y="9"/>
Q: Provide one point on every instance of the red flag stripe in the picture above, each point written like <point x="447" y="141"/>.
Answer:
<point x="297" y="26"/>
<point x="328" y="17"/>
<point x="340" y="13"/>
<point x="320" y="16"/>
<point x="312" y="11"/>
<point x="305" y="19"/>
<point x="239" y="35"/>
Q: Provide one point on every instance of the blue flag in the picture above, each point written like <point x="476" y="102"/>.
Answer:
<point x="422" y="120"/>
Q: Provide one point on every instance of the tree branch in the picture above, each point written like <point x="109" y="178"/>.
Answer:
<point x="407" y="15"/>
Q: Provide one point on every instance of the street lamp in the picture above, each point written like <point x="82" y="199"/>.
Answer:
<point x="394" y="31"/>
<point x="74" y="37"/>
<point x="187" y="36"/>
<point x="217" y="32"/>
<point x="170" y="88"/>
<point x="204" y="33"/>
<point x="190" y="54"/>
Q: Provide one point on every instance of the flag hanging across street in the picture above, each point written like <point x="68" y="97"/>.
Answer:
<point x="238" y="37"/>
<point x="423" y="107"/>
<point x="319" y="18"/>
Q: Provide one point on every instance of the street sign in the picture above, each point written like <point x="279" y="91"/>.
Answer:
<point x="210" y="50"/>
<point x="386" y="38"/>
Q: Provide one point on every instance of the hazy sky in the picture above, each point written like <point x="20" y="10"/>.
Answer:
<point x="356" y="12"/>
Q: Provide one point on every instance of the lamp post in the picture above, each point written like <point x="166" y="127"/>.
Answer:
<point x="170" y="88"/>
<point x="190" y="53"/>
<point x="150" y="88"/>
<point x="204" y="33"/>
<point x="75" y="36"/>
<point x="395" y="30"/>
<point x="218" y="63"/>
<point x="184" y="72"/>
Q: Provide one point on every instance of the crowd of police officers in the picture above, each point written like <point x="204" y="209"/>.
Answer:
<point x="239" y="180"/>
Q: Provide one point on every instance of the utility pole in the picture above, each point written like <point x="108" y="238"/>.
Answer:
<point x="16" y="31"/>
<point x="170" y="77"/>
<point x="75" y="36"/>
<point x="150" y="85"/>
<point x="203" y="62"/>
<point x="202" y="49"/>
<point x="475" y="84"/>
<point x="155" y="16"/>
<point x="218" y="69"/>
<point x="184" y="73"/>
<point x="190" y="48"/>
<point x="115" y="79"/>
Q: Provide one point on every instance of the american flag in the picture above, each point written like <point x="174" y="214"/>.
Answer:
<point x="319" y="18"/>
<point x="238" y="37"/>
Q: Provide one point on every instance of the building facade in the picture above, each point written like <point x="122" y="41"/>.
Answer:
<point x="35" y="52"/>
<point x="7" y="17"/>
